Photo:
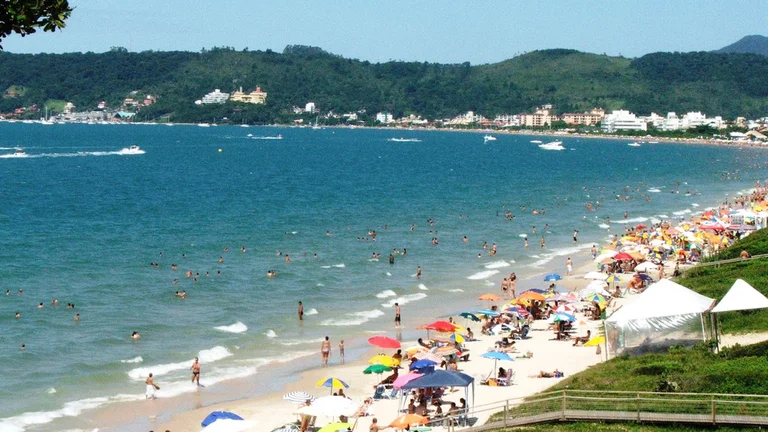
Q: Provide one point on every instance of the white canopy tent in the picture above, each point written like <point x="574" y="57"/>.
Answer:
<point x="741" y="296"/>
<point x="665" y="314"/>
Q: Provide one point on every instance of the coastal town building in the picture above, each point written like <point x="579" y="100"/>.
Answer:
<point x="69" y="108"/>
<point x="507" y="120"/>
<point x="214" y="97"/>
<point x="384" y="117"/>
<point x="310" y="107"/>
<point x="467" y="118"/>
<point x="587" y="118"/>
<point x="255" y="97"/>
<point x="542" y="117"/>
<point x="622" y="120"/>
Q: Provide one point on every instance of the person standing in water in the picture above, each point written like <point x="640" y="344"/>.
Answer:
<point x="397" y="315"/>
<point x="301" y="311"/>
<point x="195" y="368"/>
<point x="151" y="387"/>
<point x="418" y="272"/>
<point x="325" y="350"/>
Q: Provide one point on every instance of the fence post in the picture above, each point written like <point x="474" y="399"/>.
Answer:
<point x="714" y="413"/>
<point x="637" y="404"/>
<point x="562" y="414"/>
<point x="506" y="411"/>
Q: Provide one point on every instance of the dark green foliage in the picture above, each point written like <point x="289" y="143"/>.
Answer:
<point x="725" y="84"/>
<point x="26" y="16"/>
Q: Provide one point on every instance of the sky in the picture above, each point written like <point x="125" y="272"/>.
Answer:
<point x="477" y="31"/>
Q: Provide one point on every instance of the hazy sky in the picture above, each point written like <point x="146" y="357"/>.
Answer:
<point x="449" y="31"/>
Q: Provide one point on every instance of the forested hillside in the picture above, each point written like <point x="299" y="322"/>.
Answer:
<point x="718" y="84"/>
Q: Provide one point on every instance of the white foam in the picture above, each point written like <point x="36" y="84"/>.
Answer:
<point x="681" y="212"/>
<point x="353" y="318"/>
<point x="389" y="274"/>
<point x="497" y="264"/>
<point x="654" y="190"/>
<point x="663" y="216"/>
<point x="325" y="267"/>
<point x="320" y="284"/>
<point x="604" y="226"/>
<point x="51" y="391"/>
<point x="488" y="283"/>
<point x="545" y="258"/>
<point x="482" y="275"/>
<point x="630" y="220"/>
<point x="212" y="376"/>
<point x="339" y="265"/>
<point x="423" y="287"/>
<point x="386" y="293"/>
<point x="374" y="260"/>
<point x="523" y="235"/>
<point x="122" y="152"/>
<point x="312" y="311"/>
<point x="270" y="334"/>
<point x="237" y="327"/>
<point x="293" y="342"/>
<point x="694" y="205"/>
<point x="456" y="290"/>
<point x="137" y="359"/>
<point x="206" y="356"/>
<point x="408" y="298"/>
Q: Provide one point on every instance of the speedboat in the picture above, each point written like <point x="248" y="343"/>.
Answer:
<point x="554" y="145"/>
<point x="634" y="144"/>
<point x="132" y="150"/>
<point x="276" y="137"/>
<point x="19" y="153"/>
<point x="489" y="138"/>
<point x="404" y="139"/>
<point x="203" y="125"/>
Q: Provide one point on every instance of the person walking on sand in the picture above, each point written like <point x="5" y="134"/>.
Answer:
<point x="325" y="350"/>
<point x="195" y="368"/>
<point x="341" y="351"/>
<point x="569" y="266"/>
<point x="151" y="387"/>
<point x="301" y="311"/>
<point x="397" y="315"/>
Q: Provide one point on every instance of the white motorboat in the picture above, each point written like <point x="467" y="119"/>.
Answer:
<point x="19" y="153"/>
<point x="634" y="144"/>
<point x="132" y="150"/>
<point x="489" y="138"/>
<point x="404" y="139"/>
<point x="554" y="145"/>
<point x="204" y="125"/>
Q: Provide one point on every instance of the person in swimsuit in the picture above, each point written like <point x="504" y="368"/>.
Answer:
<point x="196" y="372"/>
<point x="341" y="351"/>
<point x="325" y="350"/>
<point x="397" y="315"/>
<point x="301" y="312"/>
<point x="151" y="387"/>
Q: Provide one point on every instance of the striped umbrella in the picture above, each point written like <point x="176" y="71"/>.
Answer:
<point x="299" y="397"/>
<point x="333" y="383"/>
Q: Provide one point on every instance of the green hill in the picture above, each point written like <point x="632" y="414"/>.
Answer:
<point x="718" y="84"/>
<point x="753" y="44"/>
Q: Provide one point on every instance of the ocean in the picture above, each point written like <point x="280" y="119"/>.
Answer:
<point x="82" y="219"/>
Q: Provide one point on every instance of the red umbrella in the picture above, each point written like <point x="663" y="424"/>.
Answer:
<point x="714" y="227"/>
<point x="441" y="326"/>
<point x="641" y="226"/>
<point x="622" y="256"/>
<point x="384" y="342"/>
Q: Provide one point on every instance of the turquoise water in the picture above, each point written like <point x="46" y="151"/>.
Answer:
<point x="80" y="222"/>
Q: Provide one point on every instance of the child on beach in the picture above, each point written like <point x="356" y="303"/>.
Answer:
<point x="341" y="351"/>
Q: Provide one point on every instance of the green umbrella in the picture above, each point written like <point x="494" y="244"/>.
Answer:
<point x="377" y="369"/>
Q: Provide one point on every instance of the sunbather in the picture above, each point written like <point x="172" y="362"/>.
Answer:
<point x="543" y="374"/>
<point x="582" y="339"/>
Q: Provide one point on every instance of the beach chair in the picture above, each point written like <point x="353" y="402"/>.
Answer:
<point x="392" y="395"/>
<point x="379" y="393"/>
<point x="508" y="380"/>
<point x="523" y="333"/>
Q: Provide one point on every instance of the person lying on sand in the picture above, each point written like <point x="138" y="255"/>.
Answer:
<point x="542" y="374"/>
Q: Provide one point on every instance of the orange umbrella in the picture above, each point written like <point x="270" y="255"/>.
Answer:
<point x="530" y="295"/>
<point x="489" y="297"/>
<point x="408" y="420"/>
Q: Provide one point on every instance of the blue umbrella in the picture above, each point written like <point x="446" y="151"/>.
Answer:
<point x="536" y="290"/>
<point x="644" y="277"/>
<point x="496" y="355"/>
<point x="552" y="277"/>
<point x="421" y="364"/>
<point x="562" y="316"/>
<point x="218" y="415"/>
<point x="487" y="312"/>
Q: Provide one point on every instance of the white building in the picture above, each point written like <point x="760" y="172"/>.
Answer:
<point x="623" y="120"/>
<point x="507" y="120"/>
<point x="309" y="107"/>
<point x="695" y="119"/>
<point x="384" y="117"/>
<point x="654" y="119"/>
<point x="214" y="97"/>
<point x="671" y="122"/>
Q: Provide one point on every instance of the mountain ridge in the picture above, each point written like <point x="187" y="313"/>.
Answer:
<point x="752" y="44"/>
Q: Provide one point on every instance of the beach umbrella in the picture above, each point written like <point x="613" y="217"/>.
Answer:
<point x="469" y="316"/>
<point x="333" y="383"/>
<point x="408" y="420"/>
<point x="219" y="415"/>
<point x="441" y="326"/>
<point x="498" y="328"/>
<point x="607" y="255"/>
<point x="622" y="256"/>
<point x="534" y="290"/>
<point x="496" y="356"/>
<point x="644" y="277"/>
<point x="412" y="350"/>
<point x="595" y="275"/>
<point x="641" y="226"/>
<point x="489" y="297"/>
<point x="335" y="427"/>
<point x="565" y="308"/>
<point x="229" y="425"/>
<point x="564" y="298"/>
<point x="613" y="278"/>
<point x="329" y="406"/>
<point x="384" y="342"/>
<point x="405" y="379"/>
<point x="530" y="295"/>
<point x="376" y="369"/>
<point x="457" y="338"/>
<point x="595" y="298"/>
<point x="488" y="312"/>
<point x="382" y="359"/>
<point x="445" y="350"/>
<point x="595" y="341"/>
<point x="299" y="397"/>
<point x="562" y="316"/>
<point x="552" y="277"/>
<point x="421" y="364"/>
<point x="429" y="356"/>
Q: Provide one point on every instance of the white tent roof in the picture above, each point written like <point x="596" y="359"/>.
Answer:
<point x="741" y="296"/>
<point x="661" y="299"/>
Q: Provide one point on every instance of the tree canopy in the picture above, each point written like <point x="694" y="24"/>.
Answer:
<point x="27" y="16"/>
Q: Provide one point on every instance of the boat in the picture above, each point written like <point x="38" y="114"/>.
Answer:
<point x="536" y="142"/>
<point x="401" y="139"/>
<point x="634" y="144"/>
<point x="19" y="153"/>
<point x="554" y="145"/>
<point x="203" y="125"/>
<point x="489" y="138"/>
<point x="132" y="150"/>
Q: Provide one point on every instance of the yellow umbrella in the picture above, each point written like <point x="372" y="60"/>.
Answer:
<point x="457" y="338"/>
<point x="459" y="329"/>
<point x="595" y="341"/>
<point x="334" y="427"/>
<point x="383" y="360"/>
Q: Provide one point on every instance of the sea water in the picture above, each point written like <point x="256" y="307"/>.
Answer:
<point x="81" y="220"/>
